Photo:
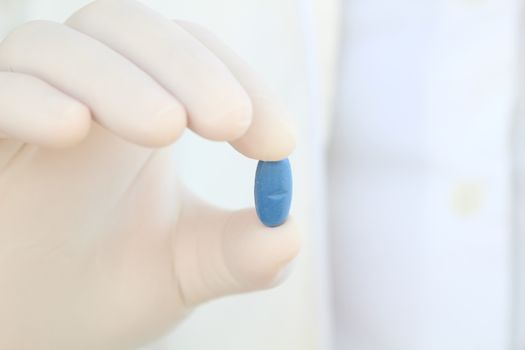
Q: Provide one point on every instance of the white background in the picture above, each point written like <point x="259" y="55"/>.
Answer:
<point x="426" y="157"/>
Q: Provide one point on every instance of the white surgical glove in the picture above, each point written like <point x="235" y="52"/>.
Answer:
<point x="100" y="248"/>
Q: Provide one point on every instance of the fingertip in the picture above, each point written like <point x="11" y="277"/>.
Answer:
<point x="267" y="139"/>
<point x="293" y="240"/>
<point x="228" y="126"/>
<point x="256" y="255"/>
<point x="70" y="127"/>
<point x="269" y="136"/>
<point x="162" y="128"/>
<point x="239" y="120"/>
<point x="37" y="113"/>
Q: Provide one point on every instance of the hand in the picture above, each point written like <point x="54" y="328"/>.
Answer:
<point x="100" y="248"/>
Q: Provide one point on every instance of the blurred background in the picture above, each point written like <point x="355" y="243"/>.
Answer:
<point x="409" y="173"/>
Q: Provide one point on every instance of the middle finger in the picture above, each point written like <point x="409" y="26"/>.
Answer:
<point x="217" y="105"/>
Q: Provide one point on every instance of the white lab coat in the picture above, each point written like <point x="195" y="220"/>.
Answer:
<point x="426" y="168"/>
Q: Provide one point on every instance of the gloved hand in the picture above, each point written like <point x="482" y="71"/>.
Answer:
<point x="100" y="248"/>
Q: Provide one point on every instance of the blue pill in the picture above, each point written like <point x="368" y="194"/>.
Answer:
<point x="273" y="192"/>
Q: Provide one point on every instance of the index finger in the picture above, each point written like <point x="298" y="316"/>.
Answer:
<point x="269" y="137"/>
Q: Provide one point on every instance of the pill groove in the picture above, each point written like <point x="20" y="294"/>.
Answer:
<point x="273" y="191"/>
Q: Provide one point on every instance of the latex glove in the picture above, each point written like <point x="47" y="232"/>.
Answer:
<point x="99" y="246"/>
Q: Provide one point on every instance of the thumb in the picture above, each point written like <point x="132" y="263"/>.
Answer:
<point x="219" y="252"/>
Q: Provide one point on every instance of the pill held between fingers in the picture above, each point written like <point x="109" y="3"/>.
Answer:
<point x="273" y="191"/>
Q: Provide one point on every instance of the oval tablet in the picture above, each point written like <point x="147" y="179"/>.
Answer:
<point x="273" y="192"/>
